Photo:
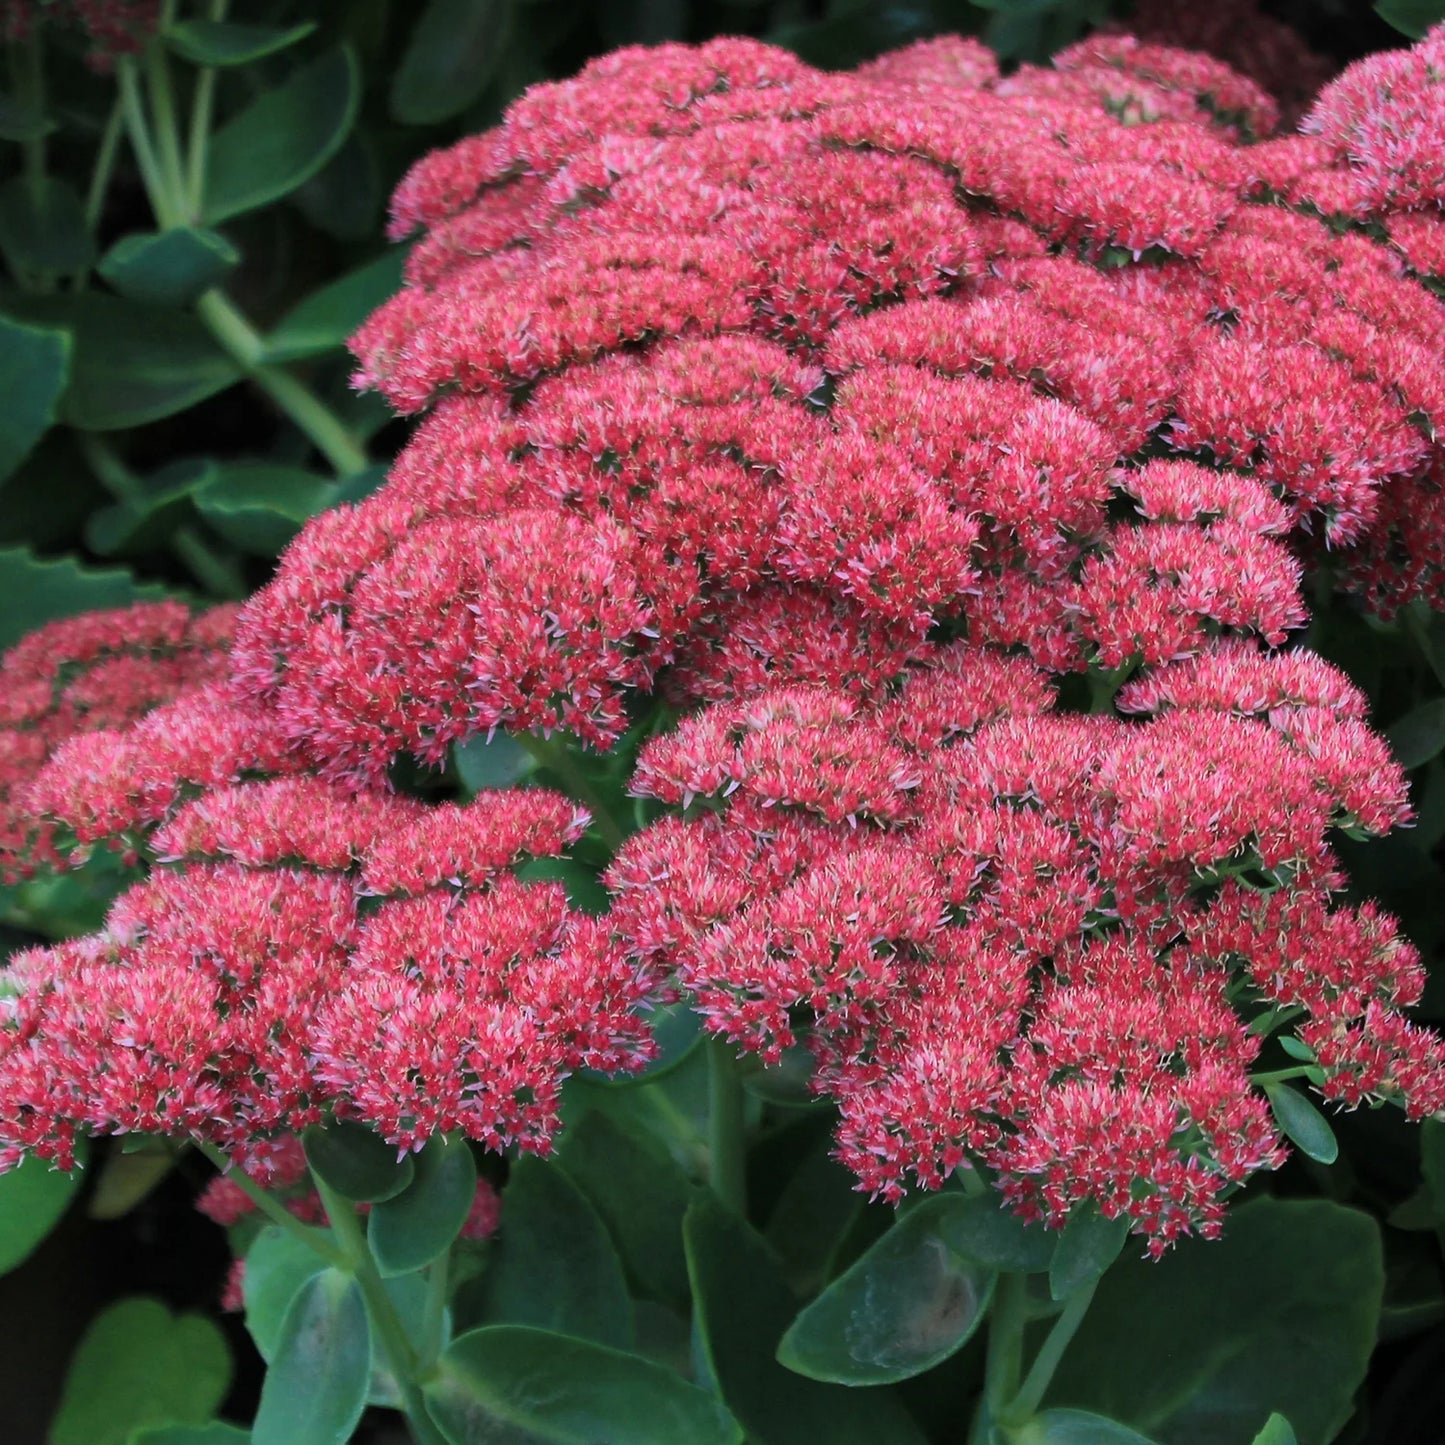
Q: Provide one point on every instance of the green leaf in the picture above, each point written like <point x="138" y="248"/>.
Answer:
<point x="513" y="1385"/>
<point x="327" y="318"/>
<point x="1297" y="1048"/>
<point x="553" y="1264"/>
<point x="496" y="762"/>
<point x="168" y="268"/>
<point x="409" y="1296"/>
<point x="344" y="198"/>
<point x="127" y="1177"/>
<point x="1419" y="735"/>
<point x="454" y="48"/>
<point x="38" y="591"/>
<point x="982" y="1228"/>
<point x="1277" y="1431"/>
<point x="812" y="1218"/>
<point x="21" y="122"/>
<point x="1411" y="17"/>
<point x="216" y="1433"/>
<point x="410" y="1230"/>
<point x="138" y="1364"/>
<point x="317" y="1383"/>
<point x="1302" y="1124"/>
<point x="43" y="232"/>
<point x="584" y="887"/>
<point x="1087" y="1247"/>
<point x="677" y="1028"/>
<point x="33" y="1197"/>
<point x="277" y="1265"/>
<point x="259" y="507"/>
<point x="1074" y="1427"/>
<point x="357" y="1163"/>
<point x="224" y="42"/>
<point x="908" y="1303"/>
<point x="1200" y="1347"/>
<point x="131" y="363"/>
<point x="163" y="504"/>
<point x="34" y="364"/>
<point x="740" y="1310"/>
<point x="283" y="137"/>
<point x="641" y="1195"/>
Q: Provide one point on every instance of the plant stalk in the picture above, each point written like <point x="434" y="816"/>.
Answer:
<point x="272" y="1208"/>
<point x="1031" y="1393"/>
<point x="555" y="757"/>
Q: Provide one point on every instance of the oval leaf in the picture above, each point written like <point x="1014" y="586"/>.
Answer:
<point x="261" y="508"/>
<point x="1075" y="1427"/>
<point x="982" y="1228"/>
<point x="326" y="319"/>
<point x="34" y="364"/>
<point x="906" y="1304"/>
<point x="33" y="1196"/>
<point x="316" y="1387"/>
<point x="1419" y="735"/>
<point x="1277" y="1431"/>
<point x="1302" y="1124"/>
<point x="453" y="50"/>
<point x="412" y="1229"/>
<point x="168" y="268"/>
<point x="37" y="592"/>
<point x="128" y="1176"/>
<point x="42" y="231"/>
<point x="1087" y="1247"/>
<point x="138" y="1364"/>
<point x="226" y="42"/>
<point x="283" y="137"/>
<point x="277" y="1265"/>
<point x="511" y="1382"/>
<point x="358" y="1164"/>
<point x="552" y="1264"/>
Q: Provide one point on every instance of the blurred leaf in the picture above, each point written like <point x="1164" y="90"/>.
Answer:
<point x="34" y="363"/>
<point x="127" y="1177"/>
<point x="906" y="1305"/>
<point x="260" y="508"/>
<point x="320" y="1373"/>
<point x="217" y="1432"/>
<point x="1277" y="1431"/>
<point x="453" y="50"/>
<point x="1411" y="17"/>
<point x="1087" y="1247"/>
<point x="138" y="1364"/>
<point x="552" y="1264"/>
<point x="168" y="268"/>
<point x="1201" y="1346"/>
<point x="584" y="887"/>
<point x="412" y="1228"/>
<point x="1419" y="735"/>
<point x="641" y="1195"/>
<point x="496" y="762"/>
<point x="642" y="22"/>
<point x="20" y="122"/>
<point x="1302" y="1124"/>
<point x="283" y="137"/>
<point x="43" y="231"/>
<point x="740" y="1309"/>
<point x="224" y="42"/>
<point x="513" y="1383"/>
<point x="131" y="364"/>
<point x="1074" y="1427"/>
<point x="786" y="1083"/>
<point x="327" y="318"/>
<point x="38" y="591"/>
<point x="982" y="1228"/>
<point x="357" y="1163"/>
<point x="677" y="1028"/>
<point x="277" y="1265"/>
<point x="136" y="526"/>
<point x="33" y="1197"/>
<point x="817" y="1208"/>
<point x="344" y="198"/>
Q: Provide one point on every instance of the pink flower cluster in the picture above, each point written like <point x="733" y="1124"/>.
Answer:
<point x="305" y="951"/>
<point x="1051" y="944"/>
<point x="85" y="675"/>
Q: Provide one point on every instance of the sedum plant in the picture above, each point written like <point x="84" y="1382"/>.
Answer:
<point x="823" y="679"/>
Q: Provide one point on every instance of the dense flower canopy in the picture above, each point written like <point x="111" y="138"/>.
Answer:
<point x="877" y="422"/>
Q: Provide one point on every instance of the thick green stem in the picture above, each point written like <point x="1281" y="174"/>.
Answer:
<point x="104" y="163"/>
<point x="1280" y="1076"/>
<point x="556" y="758"/>
<point x="202" y="103"/>
<point x="434" y="1319"/>
<point x="400" y="1356"/>
<point x="163" y="110"/>
<point x="1031" y="1393"/>
<point x="273" y="1209"/>
<point x="727" y="1127"/>
<point x="138" y="131"/>
<point x="326" y="431"/>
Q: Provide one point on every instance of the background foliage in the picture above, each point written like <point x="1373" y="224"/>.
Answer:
<point x="187" y="243"/>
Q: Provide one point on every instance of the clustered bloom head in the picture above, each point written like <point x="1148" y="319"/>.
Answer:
<point x="89" y="675"/>
<point x="302" y="952"/>
<point x="114" y="27"/>
<point x="1034" y="940"/>
<point x="861" y="416"/>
